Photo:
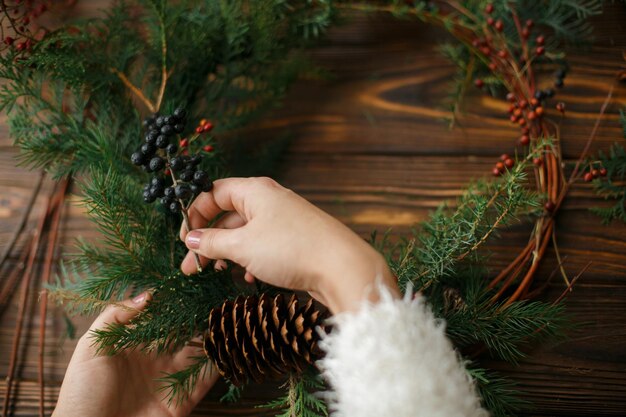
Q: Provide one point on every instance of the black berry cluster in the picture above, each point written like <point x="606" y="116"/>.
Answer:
<point x="177" y="178"/>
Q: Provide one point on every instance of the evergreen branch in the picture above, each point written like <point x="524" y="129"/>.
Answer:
<point x="233" y="394"/>
<point x="499" y="395"/>
<point x="300" y="400"/>
<point x="135" y="90"/>
<point x="178" y="386"/>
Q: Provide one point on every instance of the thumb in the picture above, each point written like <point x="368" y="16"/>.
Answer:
<point x="214" y="243"/>
<point x="122" y="312"/>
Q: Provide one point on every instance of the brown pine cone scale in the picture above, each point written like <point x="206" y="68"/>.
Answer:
<point x="263" y="337"/>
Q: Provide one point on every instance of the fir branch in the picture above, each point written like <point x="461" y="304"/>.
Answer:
<point x="233" y="394"/>
<point x="301" y="400"/>
<point x="499" y="395"/>
<point x="178" y="386"/>
<point x="613" y="187"/>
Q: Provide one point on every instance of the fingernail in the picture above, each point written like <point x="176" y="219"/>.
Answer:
<point x="140" y="298"/>
<point x="193" y="239"/>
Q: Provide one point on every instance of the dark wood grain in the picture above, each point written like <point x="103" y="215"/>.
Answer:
<point x="371" y="148"/>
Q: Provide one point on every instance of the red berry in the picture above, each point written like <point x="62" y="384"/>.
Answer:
<point x="490" y="21"/>
<point x="499" y="26"/>
<point x="550" y="206"/>
<point x="167" y="172"/>
<point x="540" y="40"/>
<point x="493" y="66"/>
<point x="522" y="122"/>
<point x="509" y="163"/>
<point x="525" y="131"/>
<point x="21" y="46"/>
<point x="560" y="106"/>
<point x="539" y="111"/>
<point x="496" y="172"/>
<point x="603" y="172"/>
<point x="538" y="161"/>
<point x="184" y="143"/>
<point x="207" y="148"/>
<point x="504" y="156"/>
<point x="540" y="50"/>
<point x="523" y="104"/>
<point x="595" y="173"/>
<point x="489" y="8"/>
<point x="500" y="166"/>
<point x="513" y="119"/>
<point x="517" y="112"/>
<point x="485" y="50"/>
<point x="524" y="140"/>
<point x="511" y="108"/>
<point x="199" y="129"/>
<point x="9" y="40"/>
<point x="588" y="177"/>
<point x="479" y="83"/>
<point x="525" y="33"/>
<point x="510" y="97"/>
<point x="502" y="54"/>
<point x="534" y="102"/>
<point x="531" y="115"/>
<point x="530" y="23"/>
<point x="207" y="126"/>
<point x="25" y="20"/>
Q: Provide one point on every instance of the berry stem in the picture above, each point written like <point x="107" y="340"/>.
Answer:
<point x="186" y="224"/>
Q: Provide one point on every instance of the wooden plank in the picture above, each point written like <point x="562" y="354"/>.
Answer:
<point x="370" y="147"/>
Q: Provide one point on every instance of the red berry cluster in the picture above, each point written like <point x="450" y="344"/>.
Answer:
<point x="203" y="127"/>
<point x="594" y="173"/>
<point x="16" y="18"/>
<point x="505" y="163"/>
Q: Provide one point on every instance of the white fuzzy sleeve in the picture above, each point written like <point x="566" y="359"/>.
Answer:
<point x="392" y="359"/>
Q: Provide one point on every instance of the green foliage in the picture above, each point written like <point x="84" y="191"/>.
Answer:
<point x="232" y="395"/>
<point x="452" y="237"/>
<point x="177" y="385"/>
<point x="612" y="187"/>
<point x="499" y="395"/>
<point x="301" y="399"/>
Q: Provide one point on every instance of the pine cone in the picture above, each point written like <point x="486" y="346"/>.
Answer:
<point x="262" y="337"/>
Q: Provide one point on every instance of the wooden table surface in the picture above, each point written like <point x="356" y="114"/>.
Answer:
<point x="370" y="147"/>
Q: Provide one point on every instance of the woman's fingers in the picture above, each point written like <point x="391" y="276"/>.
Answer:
<point x="122" y="312"/>
<point x="227" y="195"/>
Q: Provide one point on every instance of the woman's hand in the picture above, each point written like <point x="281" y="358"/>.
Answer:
<point x="284" y="240"/>
<point x="123" y="385"/>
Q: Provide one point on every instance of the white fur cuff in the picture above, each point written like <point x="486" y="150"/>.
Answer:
<point x="392" y="359"/>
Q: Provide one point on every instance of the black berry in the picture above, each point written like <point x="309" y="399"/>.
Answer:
<point x="169" y="192"/>
<point x="558" y="83"/>
<point x="195" y="160"/>
<point x="156" y="191"/>
<point x="169" y="120"/>
<point x="186" y="175"/>
<point x="158" y="181"/>
<point x="171" y="149"/>
<point x="148" y="122"/>
<point x="200" y="177"/>
<point x="539" y="95"/>
<point x="148" y="149"/>
<point x="137" y="158"/>
<point x="176" y="163"/>
<point x="174" y="207"/>
<point x="148" y="197"/>
<point x="151" y="136"/>
<point x="162" y="141"/>
<point x="206" y="187"/>
<point x="156" y="164"/>
<point x="179" y="128"/>
<point x="180" y="113"/>
<point x="166" y="201"/>
<point x="182" y="191"/>
<point x="549" y="92"/>
<point x="167" y="130"/>
<point x="160" y="121"/>
<point x="195" y="189"/>
<point x="561" y="73"/>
